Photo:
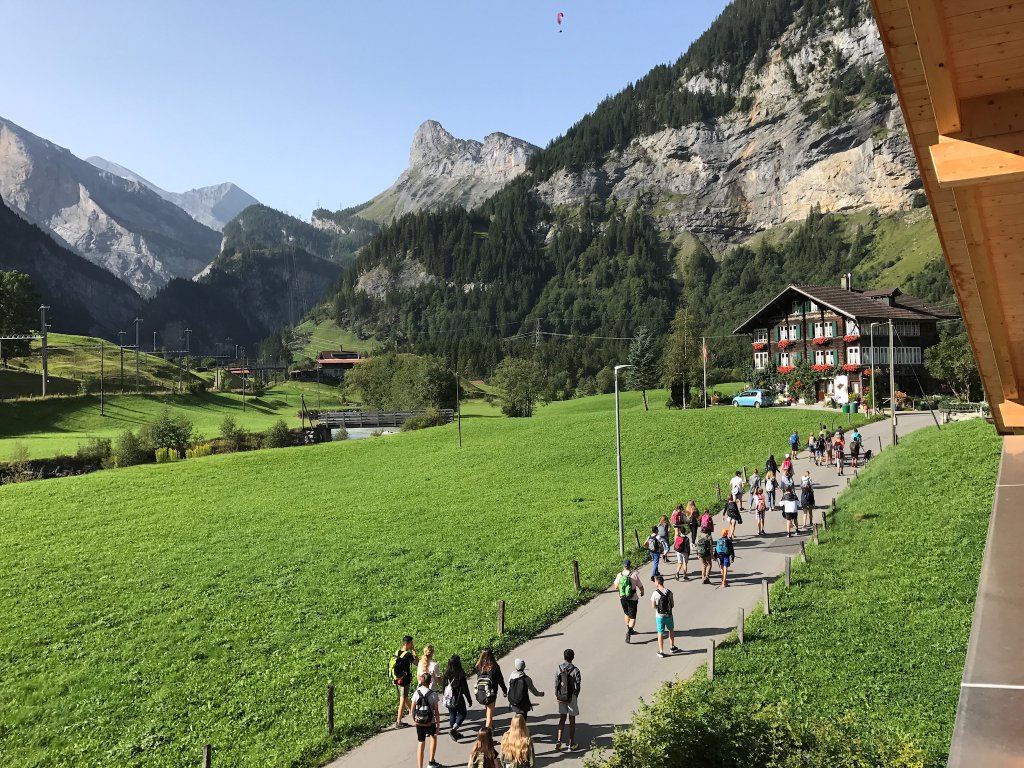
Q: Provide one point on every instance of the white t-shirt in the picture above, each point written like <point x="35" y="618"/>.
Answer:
<point x="431" y="698"/>
<point x="654" y="599"/>
<point x="632" y="576"/>
<point x="737" y="485"/>
<point x="789" y="506"/>
<point x="431" y="669"/>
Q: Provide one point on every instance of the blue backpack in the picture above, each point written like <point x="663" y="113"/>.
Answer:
<point x="722" y="546"/>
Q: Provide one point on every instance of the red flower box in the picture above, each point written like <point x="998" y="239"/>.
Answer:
<point x="851" y="367"/>
<point x="867" y="371"/>
<point x="851" y="337"/>
<point x="821" y="341"/>
<point x="822" y="367"/>
<point x="785" y="369"/>
<point x="785" y="343"/>
<point x="759" y="345"/>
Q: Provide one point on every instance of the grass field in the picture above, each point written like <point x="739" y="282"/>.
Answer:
<point x="325" y="334"/>
<point x="150" y="610"/>
<point x="873" y="633"/>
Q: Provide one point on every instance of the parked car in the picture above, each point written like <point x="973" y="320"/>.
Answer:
<point x="756" y="398"/>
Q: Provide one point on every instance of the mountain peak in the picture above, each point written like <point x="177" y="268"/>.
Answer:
<point x="430" y="141"/>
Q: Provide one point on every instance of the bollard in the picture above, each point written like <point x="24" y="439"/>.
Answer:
<point x="330" y="710"/>
<point x="744" y="474"/>
<point x="207" y="756"/>
<point x="855" y="472"/>
<point x="501" y="617"/>
<point x="739" y="625"/>
<point x="576" y="574"/>
<point x="803" y="551"/>
<point x="848" y="480"/>
<point x="816" y="534"/>
<point x="764" y="590"/>
<point x="789" y="569"/>
<point x="879" y="443"/>
<point x="637" y="535"/>
<point x="711" y="659"/>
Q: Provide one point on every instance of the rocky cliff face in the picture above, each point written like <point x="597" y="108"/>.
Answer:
<point x="444" y="171"/>
<point x="116" y="223"/>
<point x="213" y="206"/>
<point x="768" y="163"/>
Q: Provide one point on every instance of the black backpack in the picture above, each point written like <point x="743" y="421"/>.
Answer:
<point x="565" y="686"/>
<point x="519" y="694"/>
<point x="665" y="602"/>
<point x="485" y="692"/>
<point x="422" y="711"/>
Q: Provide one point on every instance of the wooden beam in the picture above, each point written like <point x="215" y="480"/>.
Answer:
<point x="928" y="19"/>
<point x="991" y="115"/>
<point x="996" y="159"/>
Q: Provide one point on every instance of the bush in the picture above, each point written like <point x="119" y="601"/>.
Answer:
<point x="171" y="432"/>
<point x="167" y="455"/>
<point x="278" y="436"/>
<point x="235" y="436"/>
<point x="96" y="450"/>
<point x="430" y="418"/>
<point x="131" y="449"/>
<point x="341" y="434"/>
<point x="198" y="451"/>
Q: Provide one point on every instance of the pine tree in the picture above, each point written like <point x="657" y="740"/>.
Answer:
<point x="682" y="362"/>
<point x="643" y="356"/>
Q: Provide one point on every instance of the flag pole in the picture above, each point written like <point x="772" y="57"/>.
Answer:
<point x="704" y="354"/>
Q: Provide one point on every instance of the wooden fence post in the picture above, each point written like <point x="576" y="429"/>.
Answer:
<point x="576" y="574"/>
<point x="711" y="659"/>
<point x="207" y="756"/>
<point x="764" y="591"/>
<point x="739" y="626"/>
<point x="501" y="617"/>
<point x="744" y="474"/>
<point x="816" y="534"/>
<point x="879" y="443"/>
<point x="789" y="570"/>
<point x="855" y="472"/>
<point x="803" y="551"/>
<point x="637" y="535"/>
<point x="848" y="480"/>
<point x="330" y="710"/>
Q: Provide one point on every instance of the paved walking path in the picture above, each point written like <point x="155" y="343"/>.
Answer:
<point x="616" y="675"/>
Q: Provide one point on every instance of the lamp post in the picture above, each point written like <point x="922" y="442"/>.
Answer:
<point x="892" y="381"/>
<point x="618" y="459"/>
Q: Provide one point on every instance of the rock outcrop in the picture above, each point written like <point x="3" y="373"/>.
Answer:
<point x="116" y="223"/>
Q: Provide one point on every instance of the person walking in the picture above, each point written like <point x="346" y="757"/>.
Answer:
<point x="427" y="718"/>
<point x="665" y="534"/>
<point x="692" y="519"/>
<point x="760" y="505"/>
<point x="401" y="676"/>
<point x="787" y="467"/>
<point x="725" y="553"/>
<point x="428" y="665"/>
<point x="630" y="589"/>
<point x="839" y="451"/>
<point x="771" y="465"/>
<point x="755" y="486"/>
<point x="736" y="488"/>
<point x="567" y="690"/>
<point x="483" y="754"/>
<point x="520" y="686"/>
<point x="704" y="547"/>
<point x="770" y="486"/>
<point x="794" y="444"/>
<point x="488" y="680"/>
<point x="789" y="507"/>
<point x="819" y="451"/>
<point x="456" y="696"/>
<point x="654" y="546"/>
<point x="855" y="443"/>
<point x="807" y="501"/>
<point x="678" y="517"/>
<point x="663" y="603"/>
<point x="732" y="513"/>
<point x="682" y="549"/>
<point x="517" y="746"/>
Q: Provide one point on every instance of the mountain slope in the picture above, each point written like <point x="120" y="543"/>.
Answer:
<point x="118" y="224"/>
<point x="213" y="206"/>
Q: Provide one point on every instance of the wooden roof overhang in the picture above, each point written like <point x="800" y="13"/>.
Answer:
<point x="958" y="68"/>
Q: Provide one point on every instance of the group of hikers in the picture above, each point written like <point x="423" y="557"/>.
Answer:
<point x="686" y="530"/>
<point x="450" y="687"/>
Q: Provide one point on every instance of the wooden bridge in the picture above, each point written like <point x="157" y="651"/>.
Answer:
<point x="373" y="419"/>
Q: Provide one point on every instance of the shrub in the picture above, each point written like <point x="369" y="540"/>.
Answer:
<point x="131" y="449"/>
<point x="170" y="431"/>
<point x="198" y="451"/>
<point x="341" y="434"/>
<point x="278" y="436"/>
<point x="96" y="450"/>
<point x="235" y="436"/>
<point x="429" y="418"/>
<point x="167" y="455"/>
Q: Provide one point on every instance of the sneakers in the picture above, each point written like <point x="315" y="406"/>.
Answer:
<point x="572" y="747"/>
<point x="434" y="764"/>
<point x="558" y="746"/>
<point x="401" y="724"/>
<point x="454" y="735"/>
<point x="675" y="650"/>
<point x="662" y="654"/>
<point x="629" y="632"/>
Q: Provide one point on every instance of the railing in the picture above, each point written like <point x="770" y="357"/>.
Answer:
<point x="373" y="419"/>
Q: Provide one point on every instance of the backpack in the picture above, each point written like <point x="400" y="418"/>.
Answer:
<point x="449" y="697"/>
<point x="518" y="694"/>
<point x="398" y="668"/>
<point x="722" y="546"/>
<point x="484" y="689"/>
<point x="665" y="602"/>
<point x="422" y="711"/>
<point x="654" y="544"/>
<point x="677" y="519"/>
<point x="761" y="506"/>
<point x="769" y="485"/>
<point x="626" y="588"/>
<point x="565" y="686"/>
<point x="706" y="522"/>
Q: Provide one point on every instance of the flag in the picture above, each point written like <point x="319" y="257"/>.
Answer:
<point x="704" y="350"/>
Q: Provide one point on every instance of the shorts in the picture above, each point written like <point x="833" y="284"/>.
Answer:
<point x="664" y="623"/>
<point x="403" y="688"/>
<point x="789" y="515"/>
<point x="422" y="731"/>
<point x="570" y="708"/>
<point x="760" y="515"/>
<point x="725" y="561"/>
<point x="629" y="607"/>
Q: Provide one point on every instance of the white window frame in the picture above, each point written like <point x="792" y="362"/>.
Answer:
<point x="908" y="356"/>
<point x="761" y="335"/>
<point x="907" y="328"/>
<point x="824" y="357"/>
<point x="853" y="355"/>
<point x="852" y="328"/>
<point x="760" y="360"/>
<point x="784" y="359"/>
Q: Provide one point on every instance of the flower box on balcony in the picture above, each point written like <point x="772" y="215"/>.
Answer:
<point x="822" y="367"/>
<point x="851" y="337"/>
<point x="784" y="369"/>
<point x="759" y="345"/>
<point x="851" y="367"/>
<point x="785" y="343"/>
<point x="821" y="341"/>
<point x="867" y="372"/>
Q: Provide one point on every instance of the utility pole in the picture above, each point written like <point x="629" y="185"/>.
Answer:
<point x="102" y="404"/>
<point x="892" y="381"/>
<point x="188" y="348"/>
<point x="618" y="458"/>
<point x="120" y="344"/>
<point x="42" y="330"/>
<point x="138" y="322"/>
<point x="536" y="336"/>
<point x="458" y="407"/>
<point x="704" y="355"/>
<point x="873" y="381"/>
<point x="154" y="342"/>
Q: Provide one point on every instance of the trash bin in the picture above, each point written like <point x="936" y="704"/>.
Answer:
<point x="855" y="406"/>
<point x="846" y="407"/>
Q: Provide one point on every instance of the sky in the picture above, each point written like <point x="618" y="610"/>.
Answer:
<point x="307" y="104"/>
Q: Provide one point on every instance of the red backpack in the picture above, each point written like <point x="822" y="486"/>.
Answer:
<point x="677" y="518"/>
<point x="706" y="522"/>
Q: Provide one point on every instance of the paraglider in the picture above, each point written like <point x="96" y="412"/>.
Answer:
<point x="559" y="18"/>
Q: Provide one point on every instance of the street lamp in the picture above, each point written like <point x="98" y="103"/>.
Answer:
<point x="892" y="374"/>
<point x="618" y="459"/>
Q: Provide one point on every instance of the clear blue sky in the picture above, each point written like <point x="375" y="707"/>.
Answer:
<point x="301" y="103"/>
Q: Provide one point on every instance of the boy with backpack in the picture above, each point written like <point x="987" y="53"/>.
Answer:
<point x="427" y="719"/>
<point x="520" y="686"/>
<point x="794" y="443"/>
<point x="755" y="486"/>
<point x="725" y="554"/>
<point x="400" y="671"/>
<point x="655" y="546"/>
<point x="736" y="488"/>
<point x="630" y="588"/>
<point x="663" y="603"/>
<point x="567" y="688"/>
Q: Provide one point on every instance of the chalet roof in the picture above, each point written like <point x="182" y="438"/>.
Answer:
<point x="856" y="304"/>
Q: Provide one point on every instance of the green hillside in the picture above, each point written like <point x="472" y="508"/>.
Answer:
<point x="153" y="609"/>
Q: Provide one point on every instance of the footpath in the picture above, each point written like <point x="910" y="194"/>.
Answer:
<point x="616" y="676"/>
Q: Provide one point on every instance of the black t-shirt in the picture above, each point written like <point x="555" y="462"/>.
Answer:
<point x="403" y="663"/>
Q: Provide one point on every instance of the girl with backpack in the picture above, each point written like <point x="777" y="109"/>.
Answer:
<point x="517" y="746"/>
<point x="789" y="506"/>
<point x="692" y="519"/>
<point x="456" y="695"/>
<point x="682" y="548"/>
<point x="760" y="507"/>
<point x="787" y="467"/>
<point x="769" y="489"/>
<point x="732" y="513"/>
<point x="483" y="754"/>
<point x="488" y="680"/>
<point x="771" y="465"/>
<point x="725" y="554"/>
<point x="664" y="533"/>
<point x="705" y="547"/>
<point x="807" y="501"/>
<point x="520" y="686"/>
